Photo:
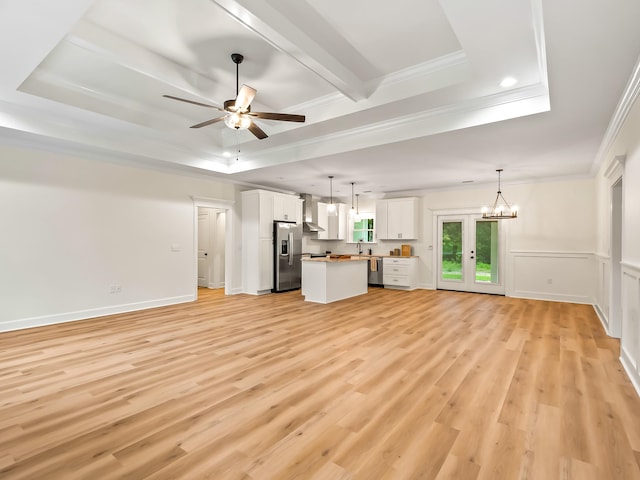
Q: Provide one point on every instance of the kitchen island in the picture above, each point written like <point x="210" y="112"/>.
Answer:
<point x="328" y="279"/>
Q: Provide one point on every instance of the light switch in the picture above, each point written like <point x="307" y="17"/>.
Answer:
<point x="175" y="247"/>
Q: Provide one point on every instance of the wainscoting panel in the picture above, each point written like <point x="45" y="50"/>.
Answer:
<point x="602" y="297"/>
<point x="630" y="339"/>
<point x="558" y="276"/>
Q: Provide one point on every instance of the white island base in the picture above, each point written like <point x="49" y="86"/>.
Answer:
<point x="329" y="280"/>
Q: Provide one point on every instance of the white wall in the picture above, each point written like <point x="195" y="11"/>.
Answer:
<point x="623" y="158"/>
<point x="74" y="228"/>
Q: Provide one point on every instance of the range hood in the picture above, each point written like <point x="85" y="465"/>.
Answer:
<point x="307" y="215"/>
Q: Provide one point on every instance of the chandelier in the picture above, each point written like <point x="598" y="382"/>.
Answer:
<point x="500" y="208"/>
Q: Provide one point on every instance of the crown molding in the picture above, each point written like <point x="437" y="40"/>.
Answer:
<point x="629" y="96"/>
<point x="615" y="168"/>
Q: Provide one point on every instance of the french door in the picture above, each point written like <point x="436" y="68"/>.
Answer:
<point x="470" y="254"/>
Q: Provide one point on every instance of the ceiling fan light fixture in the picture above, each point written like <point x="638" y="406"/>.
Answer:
<point x="238" y="114"/>
<point x="237" y="121"/>
<point x="500" y="210"/>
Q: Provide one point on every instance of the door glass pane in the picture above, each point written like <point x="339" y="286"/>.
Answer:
<point x="487" y="251"/>
<point x="451" y="249"/>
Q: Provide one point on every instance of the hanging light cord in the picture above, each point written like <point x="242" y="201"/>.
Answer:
<point x="352" y="184"/>
<point x="331" y="189"/>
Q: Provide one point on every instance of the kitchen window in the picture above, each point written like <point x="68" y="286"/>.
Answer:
<point x="362" y="229"/>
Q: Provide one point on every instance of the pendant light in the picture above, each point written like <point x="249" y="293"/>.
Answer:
<point x="353" y="209"/>
<point x="358" y="218"/>
<point x="331" y="208"/>
<point x="500" y="209"/>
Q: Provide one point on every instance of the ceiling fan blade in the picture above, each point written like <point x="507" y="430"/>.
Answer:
<point x="284" y="117"/>
<point x="244" y="98"/>
<point x="208" y="122"/>
<point x="191" y="101"/>
<point x="257" y="131"/>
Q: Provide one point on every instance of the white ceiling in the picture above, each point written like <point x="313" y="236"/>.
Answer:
<point x="398" y="96"/>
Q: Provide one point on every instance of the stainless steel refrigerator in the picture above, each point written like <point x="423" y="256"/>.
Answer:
<point x="287" y="269"/>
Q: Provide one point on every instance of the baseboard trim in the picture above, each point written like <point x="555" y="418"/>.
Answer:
<point x="631" y="372"/>
<point x="33" y="322"/>
<point x="603" y="318"/>
<point x="552" y="297"/>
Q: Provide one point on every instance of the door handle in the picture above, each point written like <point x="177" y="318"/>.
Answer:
<point x="290" y="248"/>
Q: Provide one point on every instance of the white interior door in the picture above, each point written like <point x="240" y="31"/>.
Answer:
<point x="470" y="254"/>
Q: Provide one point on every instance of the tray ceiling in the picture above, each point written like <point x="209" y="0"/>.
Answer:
<point x="398" y="96"/>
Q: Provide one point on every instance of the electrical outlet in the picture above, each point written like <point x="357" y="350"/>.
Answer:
<point x="115" y="288"/>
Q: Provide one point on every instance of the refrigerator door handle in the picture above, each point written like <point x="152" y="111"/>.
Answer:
<point x="290" y="248"/>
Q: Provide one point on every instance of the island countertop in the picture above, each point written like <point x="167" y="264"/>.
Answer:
<point x="354" y="257"/>
<point x="341" y="258"/>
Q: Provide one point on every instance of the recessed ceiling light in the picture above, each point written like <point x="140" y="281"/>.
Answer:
<point x="226" y="154"/>
<point x="508" y="82"/>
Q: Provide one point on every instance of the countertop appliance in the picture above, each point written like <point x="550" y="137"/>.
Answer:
<point x="375" y="276"/>
<point x="287" y="255"/>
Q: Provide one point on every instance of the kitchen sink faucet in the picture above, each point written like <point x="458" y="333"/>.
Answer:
<point x="360" y="247"/>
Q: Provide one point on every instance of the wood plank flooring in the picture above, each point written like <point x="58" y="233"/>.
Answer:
<point x="391" y="385"/>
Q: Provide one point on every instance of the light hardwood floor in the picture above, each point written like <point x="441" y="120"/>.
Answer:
<point x="391" y="385"/>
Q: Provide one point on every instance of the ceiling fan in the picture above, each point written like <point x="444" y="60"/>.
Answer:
<point x="238" y="112"/>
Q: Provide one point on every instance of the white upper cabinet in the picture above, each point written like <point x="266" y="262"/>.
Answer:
<point x="397" y="218"/>
<point x="334" y="226"/>
<point x="287" y="208"/>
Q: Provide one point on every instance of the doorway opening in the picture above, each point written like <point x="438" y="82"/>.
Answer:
<point x="470" y="254"/>
<point x="211" y="247"/>
<point x="615" y="301"/>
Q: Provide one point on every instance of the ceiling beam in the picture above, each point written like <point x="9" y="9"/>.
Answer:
<point x="279" y="31"/>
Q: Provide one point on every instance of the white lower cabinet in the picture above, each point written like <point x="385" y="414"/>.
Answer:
<point x="400" y="273"/>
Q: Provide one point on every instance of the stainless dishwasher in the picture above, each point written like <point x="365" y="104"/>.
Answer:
<point x="375" y="276"/>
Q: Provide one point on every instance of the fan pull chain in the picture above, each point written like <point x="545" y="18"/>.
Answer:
<point x="237" y="146"/>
